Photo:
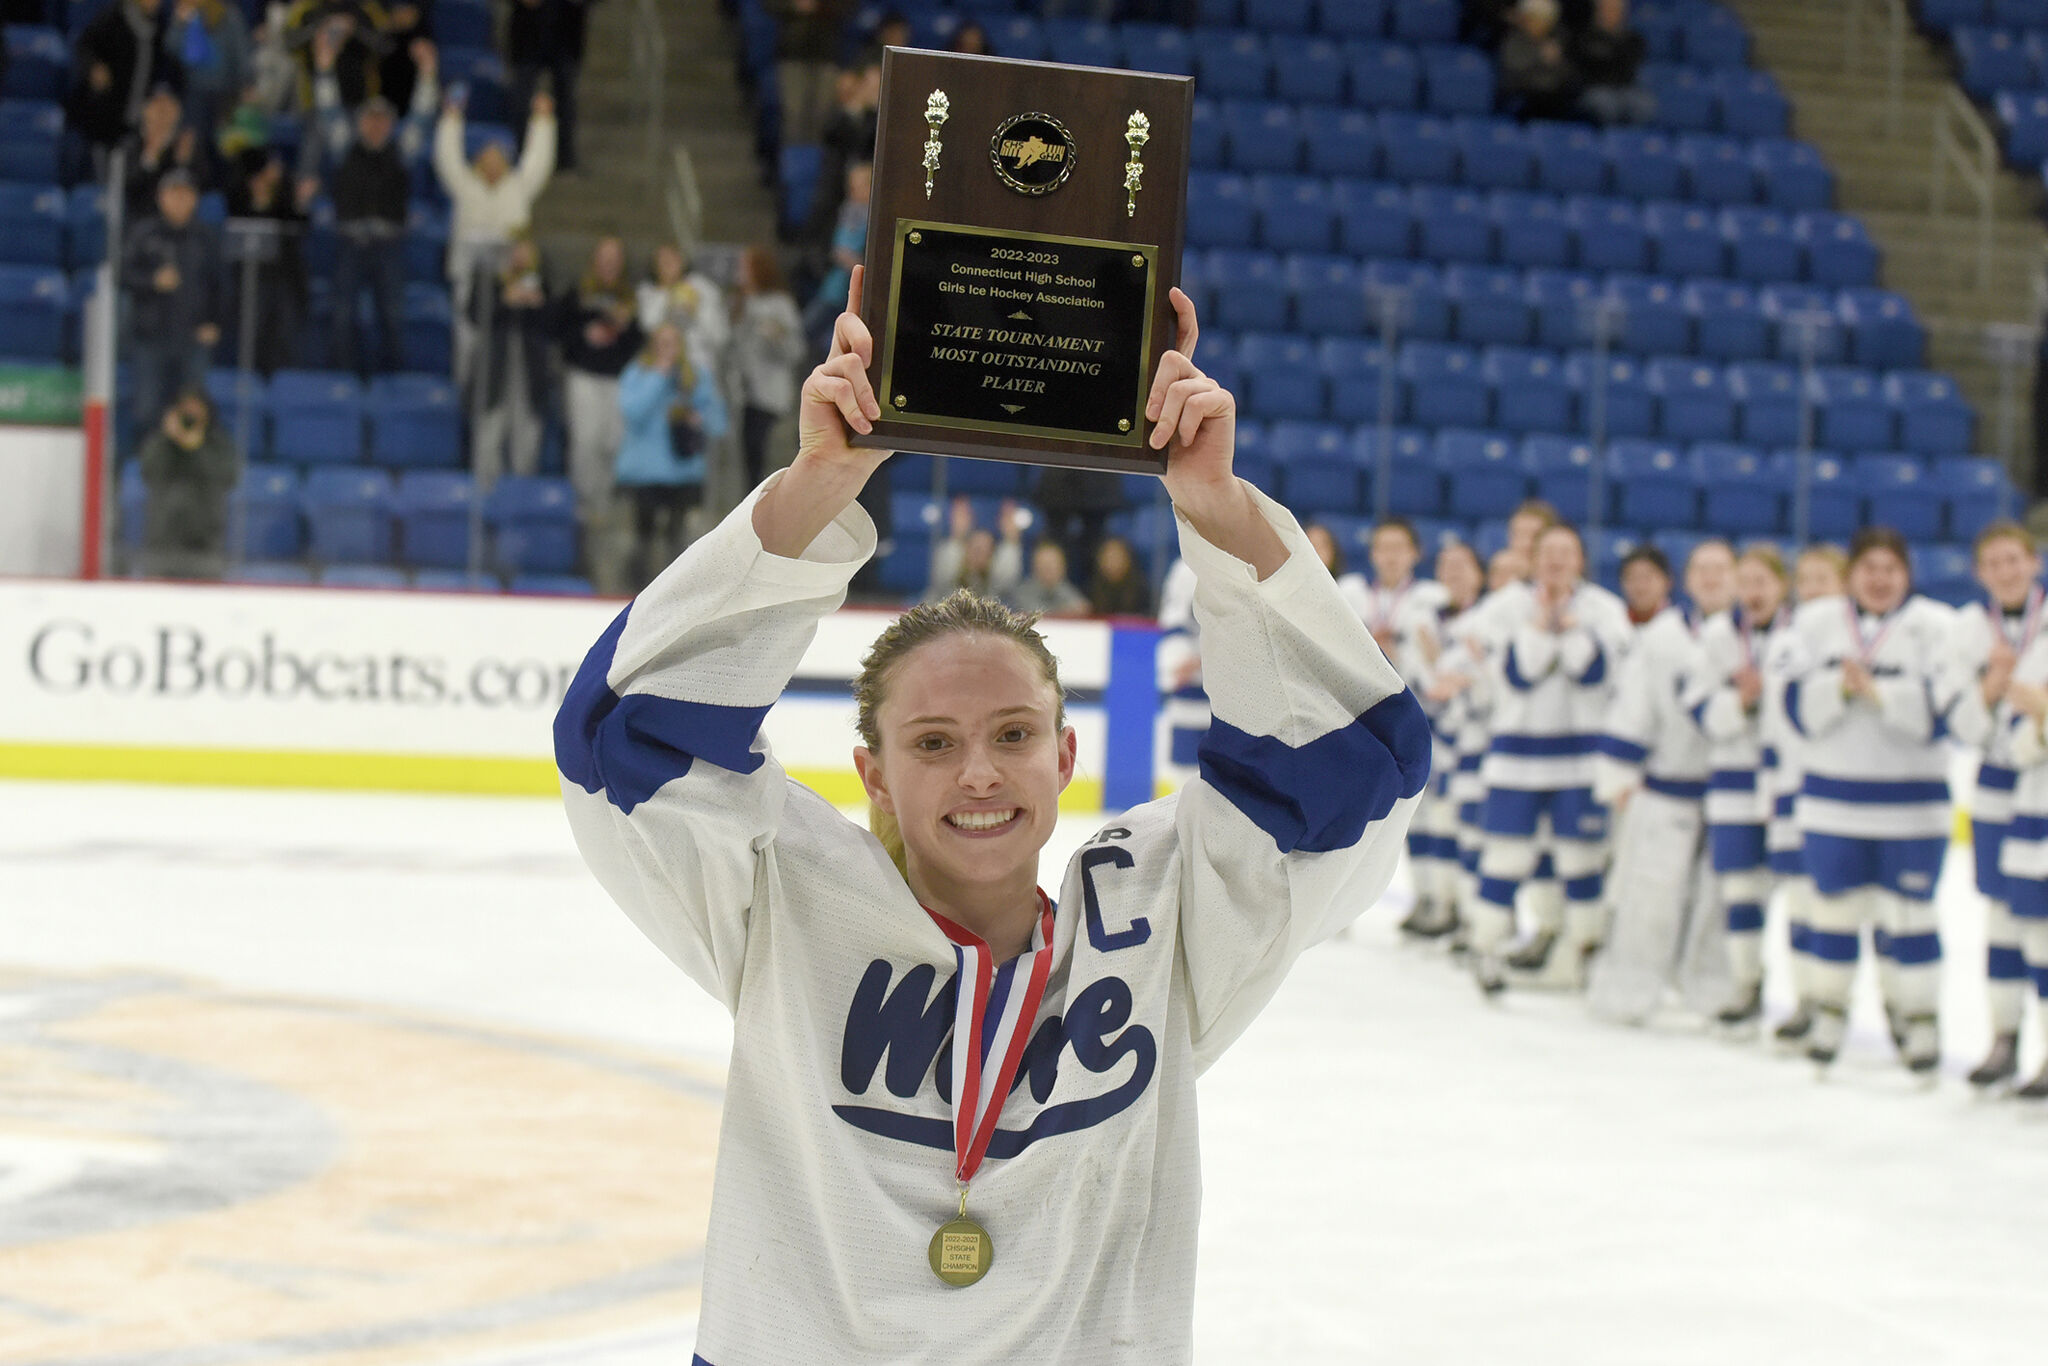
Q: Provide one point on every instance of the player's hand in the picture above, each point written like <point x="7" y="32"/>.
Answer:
<point x="1446" y="686"/>
<point x="1194" y="417"/>
<point x="1856" y="679"/>
<point x="543" y="105"/>
<point x="1749" y="685"/>
<point x="425" y="56"/>
<point x="2028" y="699"/>
<point x="837" y="400"/>
<point x="1426" y="641"/>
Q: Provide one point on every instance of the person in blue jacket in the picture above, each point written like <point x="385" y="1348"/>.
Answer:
<point x="672" y="411"/>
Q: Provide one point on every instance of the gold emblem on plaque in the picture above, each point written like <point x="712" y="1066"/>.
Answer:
<point x="1033" y="153"/>
<point x="1137" y="132"/>
<point x="936" y="108"/>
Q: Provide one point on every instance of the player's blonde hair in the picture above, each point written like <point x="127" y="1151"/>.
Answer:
<point x="1768" y="555"/>
<point x="2004" y="529"/>
<point x="960" y="613"/>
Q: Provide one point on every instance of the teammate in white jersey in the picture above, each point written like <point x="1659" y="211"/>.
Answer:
<point x="1183" y="703"/>
<point x="1990" y="638"/>
<point x="1727" y="701"/>
<point x="911" y="1013"/>
<point x="1873" y="805"/>
<point x="1555" y="645"/>
<point x="2023" y="857"/>
<point x="1454" y="696"/>
<point x="1652" y="771"/>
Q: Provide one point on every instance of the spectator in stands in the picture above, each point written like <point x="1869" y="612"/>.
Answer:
<point x="512" y="310"/>
<point x="492" y="199"/>
<point x="689" y="300"/>
<point x="848" y="140"/>
<point x="273" y="71"/>
<point x="405" y="27"/>
<point x="546" y="37"/>
<point x="263" y="190"/>
<point x="672" y="412"/>
<point x="353" y="30"/>
<point x="189" y="467"/>
<point x="891" y="30"/>
<point x="806" y="55"/>
<point x="372" y="189"/>
<point x="211" y="41"/>
<point x="160" y="142"/>
<point x="972" y="39"/>
<point x="1536" y="70"/>
<point x="1078" y="505"/>
<point x="1047" y="590"/>
<point x="849" y="247"/>
<point x="1609" y="55"/>
<point x="768" y="346"/>
<point x="970" y="557"/>
<point x="597" y="325"/>
<point x="119" y="58"/>
<point x="1118" y="587"/>
<point x="171" y="270"/>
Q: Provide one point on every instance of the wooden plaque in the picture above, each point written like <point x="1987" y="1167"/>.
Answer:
<point x="1017" y="265"/>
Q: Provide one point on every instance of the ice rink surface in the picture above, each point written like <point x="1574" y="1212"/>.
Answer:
<point x="299" y="1077"/>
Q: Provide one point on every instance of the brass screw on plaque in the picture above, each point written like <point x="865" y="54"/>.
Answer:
<point x="1123" y="424"/>
<point x="1137" y="132"/>
<point x="1138" y="260"/>
<point x="935" y="110"/>
<point x="915" y="238"/>
<point x="902" y="402"/>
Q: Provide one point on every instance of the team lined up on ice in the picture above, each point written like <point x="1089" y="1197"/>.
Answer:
<point x="1636" y="779"/>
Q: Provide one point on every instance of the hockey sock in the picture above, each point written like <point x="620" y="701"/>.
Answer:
<point x="1743" y="894"/>
<point x="2036" y="938"/>
<point x="2005" y="967"/>
<point x="1913" y="951"/>
<point x="1585" y="914"/>
<point x="1493" y="915"/>
<point x="1832" y="943"/>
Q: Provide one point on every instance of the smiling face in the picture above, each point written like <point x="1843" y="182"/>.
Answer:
<point x="2007" y="568"/>
<point x="1559" y="561"/>
<point x="1817" y="576"/>
<point x="971" y="761"/>
<point x="1759" y="588"/>
<point x="1644" y="587"/>
<point x="1879" y="581"/>
<point x="1710" y="578"/>
<point x="1457" y="569"/>
<point x="1394" y="556"/>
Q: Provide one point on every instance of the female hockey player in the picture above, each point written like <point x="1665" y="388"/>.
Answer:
<point x="1990" y="638"/>
<point x="940" y="1078"/>
<point x="1450" y="685"/>
<point x="2023" y="858"/>
<point x="1729" y="705"/>
<point x="1862" y="678"/>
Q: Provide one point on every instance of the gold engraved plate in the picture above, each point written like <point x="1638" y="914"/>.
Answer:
<point x="1137" y="132"/>
<point x="936" y="110"/>
<point x="961" y="1252"/>
<point x="1033" y="153"/>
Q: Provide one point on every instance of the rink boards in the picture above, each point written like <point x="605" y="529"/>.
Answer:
<point x="411" y="691"/>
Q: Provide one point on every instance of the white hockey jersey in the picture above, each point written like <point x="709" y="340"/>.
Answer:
<point x="2024" y="851"/>
<point x="1405" y="613"/>
<point x="1873" y="770"/>
<point x="1174" y="926"/>
<point x="1738" y="781"/>
<point x="1988" y="730"/>
<point x="1183" y="704"/>
<point x="1649" y="737"/>
<point x="1550" y="689"/>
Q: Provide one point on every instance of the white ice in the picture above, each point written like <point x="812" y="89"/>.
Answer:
<point x="1395" y="1172"/>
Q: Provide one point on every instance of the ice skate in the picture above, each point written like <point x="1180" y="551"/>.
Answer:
<point x="2037" y="1089"/>
<point x="1533" y="953"/>
<point x="1418" y="921"/>
<point x="1486" y="972"/>
<point x="1794" y="1028"/>
<point x="1920" y="1044"/>
<point x="2001" y="1064"/>
<point x="1824" y="1039"/>
<point x="1744" y="1009"/>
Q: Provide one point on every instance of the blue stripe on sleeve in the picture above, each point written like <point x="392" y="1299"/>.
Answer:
<point x="1320" y="796"/>
<point x="1698" y="712"/>
<point x="1516" y="678"/>
<point x="1627" y="751"/>
<point x="1939" y="730"/>
<point x="1875" y="792"/>
<point x="1596" y="672"/>
<point x="1997" y="778"/>
<point x="1792" y="707"/>
<point x="629" y="748"/>
<point x="1542" y="746"/>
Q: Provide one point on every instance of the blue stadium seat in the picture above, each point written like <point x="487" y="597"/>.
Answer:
<point x="1530" y="393"/>
<point x="1570" y="158"/>
<point x="1445" y="387"/>
<point x="1079" y="42"/>
<point x="1695" y="400"/>
<point x="1728" y="322"/>
<point x="1452" y="224"/>
<point x="1793" y="174"/>
<point x="31" y="141"/>
<point x="31" y="225"/>
<point x="1753" y="105"/>
<point x="34" y="303"/>
<point x="1802" y="316"/>
<point x="1934" y="418"/>
<point x="225" y="388"/>
<point x="1644" y="164"/>
<point x="1943" y="16"/>
<point x="1294" y="212"/>
<point x="1762" y="245"/>
<point x="1653" y="483"/>
<point x="132" y="495"/>
<point x="1977" y="489"/>
<point x="1839" y="252"/>
<point x="2024" y="116"/>
<point x="1483" y="471"/>
<point x="1221" y="212"/>
<point x="415" y="421"/>
<point x="1896" y="494"/>
<point x="377" y="576"/>
<point x="348" y="515"/>
<point x="1561" y="468"/>
<point x="1883" y="332"/>
<point x="1352" y="18"/>
<point x="1530" y="229"/>
<point x="1989" y="60"/>
<point x="1654" y="319"/>
<point x="38" y="63"/>
<point x="1318" y="470"/>
<point x="1685" y="239"/>
<point x="1341" y="142"/>
<point x="1424" y="310"/>
<point x="1718" y="169"/>
<point x="1741" y="492"/>
<point x="1494" y="154"/>
<point x="1562" y="301"/>
<point x="265" y="508"/>
<point x="1207" y="147"/>
<point x="1944" y="573"/>
<point x="1768" y="392"/>
<point x="463" y="23"/>
<point x="1232" y="64"/>
<point x="1714" y="37"/>
<point x="796" y="177"/>
<point x="426" y="338"/>
<point x="1417" y="149"/>
<point x="1490" y="305"/>
<point x="552" y="585"/>
<point x="2027" y="14"/>
<point x="1627" y="402"/>
<point x="1353" y="378"/>
<point x="427" y="229"/>
<point x="1610" y="233"/>
<point x="1262" y="136"/>
<point x="1688" y="100"/>
<point x="1147" y="47"/>
<point x="271" y="574"/>
<point x="1385" y="76"/>
<point x="433" y="510"/>
<point x="85" y="226"/>
<point x="1851" y="410"/>
<point x="533" y="520"/>
<point x="1459" y="80"/>
<point x="1329" y="294"/>
<point x="1307" y="70"/>
<point x="1251" y="293"/>
<point x="1281" y="16"/>
<point x="1281" y="378"/>
<point x="1416" y="486"/>
<point x="1374" y="219"/>
<point x="316" y="416"/>
<point x="1424" y="21"/>
<point x="462" y="581"/>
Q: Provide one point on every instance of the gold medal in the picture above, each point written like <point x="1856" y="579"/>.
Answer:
<point x="961" y="1252"/>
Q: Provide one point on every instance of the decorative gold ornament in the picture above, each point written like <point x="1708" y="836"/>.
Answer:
<point x="1137" y="132"/>
<point x="936" y="108"/>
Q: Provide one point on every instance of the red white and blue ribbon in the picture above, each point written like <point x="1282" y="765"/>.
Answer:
<point x="2030" y="623"/>
<point x="992" y="1019"/>
<point x="1867" y="649"/>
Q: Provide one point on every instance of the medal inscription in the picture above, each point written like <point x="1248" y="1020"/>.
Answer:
<point x="1040" y="335"/>
<point x="961" y="1252"/>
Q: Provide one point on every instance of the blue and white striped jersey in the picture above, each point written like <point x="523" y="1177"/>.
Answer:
<point x="1550" y="688"/>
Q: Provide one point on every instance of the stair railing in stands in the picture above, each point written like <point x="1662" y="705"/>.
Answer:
<point x="1875" y="37"/>
<point x="650" y="73"/>
<point x="685" y="201"/>
<point x="1964" y="145"/>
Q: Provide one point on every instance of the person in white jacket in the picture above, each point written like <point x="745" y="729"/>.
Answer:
<point x="491" y="199"/>
<point x="960" y="1118"/>
<point x="2023" y="853"/>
